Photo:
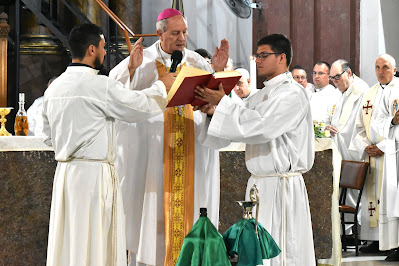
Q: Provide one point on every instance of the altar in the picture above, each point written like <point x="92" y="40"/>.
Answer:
<point x="27" y="170"/>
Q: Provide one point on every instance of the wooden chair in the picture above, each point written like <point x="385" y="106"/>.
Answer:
<point x="353" y="175"/>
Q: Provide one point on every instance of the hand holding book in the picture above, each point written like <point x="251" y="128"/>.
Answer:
<point x="210" y="96"/>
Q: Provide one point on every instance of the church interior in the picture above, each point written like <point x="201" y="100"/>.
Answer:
<point x="34" y="48"/>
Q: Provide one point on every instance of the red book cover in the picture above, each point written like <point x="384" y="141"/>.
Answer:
<point x="183" y="89"/>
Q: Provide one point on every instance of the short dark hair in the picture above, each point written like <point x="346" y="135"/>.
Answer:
<point x="319" y="63"/>
<point x="297" y="67"/>
<point x="81" y="37"/>
<point x="279" y="43"/>
<point x="204" y="53"/>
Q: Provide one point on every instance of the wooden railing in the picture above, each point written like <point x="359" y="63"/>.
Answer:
<point x="121" y="25"/>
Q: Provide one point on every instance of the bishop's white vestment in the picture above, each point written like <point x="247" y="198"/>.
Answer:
<point x="322" y="103"/>
<point x="366" y="136"/>
<point x="141" y="154"/>
<point x="79" y="110"/>
<point x="276" y="125"/>
<point x="389" y="209"/>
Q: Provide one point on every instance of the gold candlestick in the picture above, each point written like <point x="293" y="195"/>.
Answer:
<point x="3" y="112"/>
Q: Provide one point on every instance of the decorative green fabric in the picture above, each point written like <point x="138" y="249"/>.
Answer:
<point x="241" y="239"/>
<point x="203" y="245"/>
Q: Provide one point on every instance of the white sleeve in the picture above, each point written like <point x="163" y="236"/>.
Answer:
<point x="360" y="140"/>
<point x="382" y="124"/>
<point x="134" y="106"/>
<point x="269" y="120"/>
<point x="46" y="128"/>
<point x="208" y="140"/>
<point x="121" y="72"/>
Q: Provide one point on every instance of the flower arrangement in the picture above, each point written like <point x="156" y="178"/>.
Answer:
<point x="319" y="130"/>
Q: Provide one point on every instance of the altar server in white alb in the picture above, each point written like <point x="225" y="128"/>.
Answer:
<point x="160" y="153"/>
<point x="386" y="125"/>
<point x="276" y="125"/>
<point x="371" y="147"/>
<point x="79" y="110"/>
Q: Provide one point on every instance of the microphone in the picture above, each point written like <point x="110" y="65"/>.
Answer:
<point x="177" y="56"/>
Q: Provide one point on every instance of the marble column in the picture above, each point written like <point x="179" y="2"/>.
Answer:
<point x="129" y="11"/>
<point x="4" y="29"/>
<point x="35" y="37"/>
<point x="91" y="9"/>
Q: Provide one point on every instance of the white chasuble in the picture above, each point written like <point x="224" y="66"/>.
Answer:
<point x="389" y="209"/>
<point x="86" y="218"/>
<point x="344" y="118"/>
<point x="323" y="102"/>
<point x="366" y="135"/>
<point x="277" y="126"/>
<point x="140" y="163"/>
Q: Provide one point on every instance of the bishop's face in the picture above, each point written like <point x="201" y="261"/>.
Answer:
<point x="175" y="36"/>
<point x="384" y="70"/>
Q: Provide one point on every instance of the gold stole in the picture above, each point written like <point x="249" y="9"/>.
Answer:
<point x="178" y="175"/>
<point x="372" y="203"/>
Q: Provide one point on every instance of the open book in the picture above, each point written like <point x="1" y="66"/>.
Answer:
<point x="182" y="91"/>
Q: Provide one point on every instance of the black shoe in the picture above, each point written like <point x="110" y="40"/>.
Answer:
<point x="393" y="256"/>
<point x="372" y="248"/>
<point x="350" y="241"/>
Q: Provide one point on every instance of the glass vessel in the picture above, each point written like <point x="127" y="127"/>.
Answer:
<point x="21" y="126"/>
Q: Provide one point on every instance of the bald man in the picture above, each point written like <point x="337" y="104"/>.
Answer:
<point x="372" y="147"/>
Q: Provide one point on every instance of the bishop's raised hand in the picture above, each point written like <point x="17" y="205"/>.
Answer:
<point x="221" y="56"/>
<point x="136" y="56"/>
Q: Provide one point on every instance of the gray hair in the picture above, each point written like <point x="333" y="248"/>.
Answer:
<point x="162" y="25"/>
<point x="244" y="73"/>
<point x="344" y="64"/>
<point x="389" y="58"/>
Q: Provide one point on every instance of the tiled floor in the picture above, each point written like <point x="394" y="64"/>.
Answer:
<point x="350" y="259"/>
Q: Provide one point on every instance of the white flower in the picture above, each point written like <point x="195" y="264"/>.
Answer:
<point x="327" y="133"/>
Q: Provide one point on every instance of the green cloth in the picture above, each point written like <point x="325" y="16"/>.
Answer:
<point x="241" y="239"/>
<point x="203" y="245"/>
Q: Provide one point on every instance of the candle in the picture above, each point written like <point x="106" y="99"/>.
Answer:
<point x="252" y="73"/>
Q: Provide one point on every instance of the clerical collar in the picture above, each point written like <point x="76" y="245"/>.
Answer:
<point x="384" y="85"/>
<point x="165" y="57"/>
<point x="320" y="89"/>
<point x="277" y="79"/>
<point x="80" y="64"/>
